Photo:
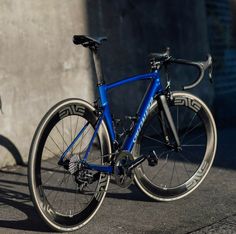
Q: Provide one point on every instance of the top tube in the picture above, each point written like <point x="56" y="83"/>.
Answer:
<point x="152" y="75"/>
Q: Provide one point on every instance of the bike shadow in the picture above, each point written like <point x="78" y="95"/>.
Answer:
<point x="132" y="193"/>
<point x="10" y="146"/>
<point x="14" y="195"/>
<point x="15" y="200"/>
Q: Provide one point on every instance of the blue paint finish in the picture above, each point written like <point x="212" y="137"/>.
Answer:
<point x="143" y="112"/>
<point x="154" y="88"/>
<point x="131" y="79"/>
<point x="100" y="168"/>
<point x="106" y="111"/>
<point x="109" y="123"/>
<point x="102" y="89"/>
<point x="103" y="95"/>
<point x="93" y="137"/>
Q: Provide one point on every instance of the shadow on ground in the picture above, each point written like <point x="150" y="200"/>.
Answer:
<point x="14" y="197"/>
<point x="10" y="146"/>
<point x="14" y="194"/>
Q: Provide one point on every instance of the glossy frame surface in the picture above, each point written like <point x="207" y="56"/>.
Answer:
<point x="153" y="89"/>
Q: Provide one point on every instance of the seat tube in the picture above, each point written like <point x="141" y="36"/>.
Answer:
<point x="106" y="109"/>
<point x="98" y="67"/>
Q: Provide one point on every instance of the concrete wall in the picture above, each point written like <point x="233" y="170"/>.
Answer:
<point x="137" y="28"/>
<point x="40" y="66"/>
<point x="222" y="38"/>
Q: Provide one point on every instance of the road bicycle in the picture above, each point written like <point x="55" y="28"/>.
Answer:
<point x="167" y="150"/>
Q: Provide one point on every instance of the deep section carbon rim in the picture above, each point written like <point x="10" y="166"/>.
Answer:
<point x="177" y="172"/>
<point x="64" y="200"/>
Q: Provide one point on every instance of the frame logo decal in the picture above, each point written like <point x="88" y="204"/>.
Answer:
<point x="142" y="120"/>
<point x="184" y="101"/>
<point x="70" y="110"/>
<point x="198" y="176"/>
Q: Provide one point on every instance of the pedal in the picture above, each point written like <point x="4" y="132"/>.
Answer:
<point x="152" y="159"/>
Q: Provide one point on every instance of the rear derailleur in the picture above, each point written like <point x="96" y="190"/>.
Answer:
<point x="83" y="176"/>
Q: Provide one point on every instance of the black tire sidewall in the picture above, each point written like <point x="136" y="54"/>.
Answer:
<point x="34" y="190"/>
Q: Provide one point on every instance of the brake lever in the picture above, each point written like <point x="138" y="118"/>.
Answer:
<point x="210" y="70"/>
<point x="209" y="66"/>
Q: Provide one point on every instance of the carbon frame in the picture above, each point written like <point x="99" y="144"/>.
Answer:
<point x="154" y="88"/>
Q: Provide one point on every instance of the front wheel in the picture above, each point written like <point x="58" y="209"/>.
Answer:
<point x="67" y="200"/>
<point x="178" y="171"/>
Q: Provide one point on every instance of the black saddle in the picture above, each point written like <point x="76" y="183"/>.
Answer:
<point x="88" y="42"/>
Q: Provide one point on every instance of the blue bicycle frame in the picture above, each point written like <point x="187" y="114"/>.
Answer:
<point x="153" y="89"/>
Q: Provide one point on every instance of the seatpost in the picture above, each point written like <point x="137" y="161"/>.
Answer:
<point x="98" y="66"/>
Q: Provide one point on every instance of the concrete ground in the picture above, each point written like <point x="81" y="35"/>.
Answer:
<point x="209" y="209"/>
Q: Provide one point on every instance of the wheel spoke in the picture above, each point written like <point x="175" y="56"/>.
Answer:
<point x="165" y="163"/>
<point x="81" y="139"/>
<point x="196" y="145"/>
<point x="182" y="156"/>
<point x="178" y="167"/>
<point x="49" y="170"/>
<point x="154" y="147"/>
<point x="71" y="138"/>
<point x="50" y="151"/>
<point x="190" y="123"/>
<point x="64" y="142"/>
<point x="197" y="125"/>
<point x="177" y="120"/>
<point x="154" y="139"/>
<point x="195" y="138"/>
<point x="77" y="121"/>
<point x="55" y="143"/>
<point x="172" y="174"/>
<point x="158" y="134"/>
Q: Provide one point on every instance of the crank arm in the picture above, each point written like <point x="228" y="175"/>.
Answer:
<point x="137" y="162"/>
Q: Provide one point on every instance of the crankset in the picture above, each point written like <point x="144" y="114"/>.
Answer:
<point x="124" y="166"/>
<point x="123" y="176"/>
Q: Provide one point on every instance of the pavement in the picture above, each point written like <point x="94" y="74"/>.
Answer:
<point x="211" y="208"/>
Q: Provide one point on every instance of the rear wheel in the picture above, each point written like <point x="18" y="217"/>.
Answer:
<point x="178" y="172"/>
<point x="67" y="200"/>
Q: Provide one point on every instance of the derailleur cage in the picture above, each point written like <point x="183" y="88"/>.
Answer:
<point x="82" y="175"/>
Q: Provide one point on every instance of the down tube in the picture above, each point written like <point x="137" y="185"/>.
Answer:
<point x="143" y="112"/>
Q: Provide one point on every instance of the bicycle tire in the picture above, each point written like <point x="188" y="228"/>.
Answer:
<point x="61" y="215"/>
<point x="157" y="186"/>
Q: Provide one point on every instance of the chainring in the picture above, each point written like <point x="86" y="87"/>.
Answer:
<point x="123" y="178"/>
